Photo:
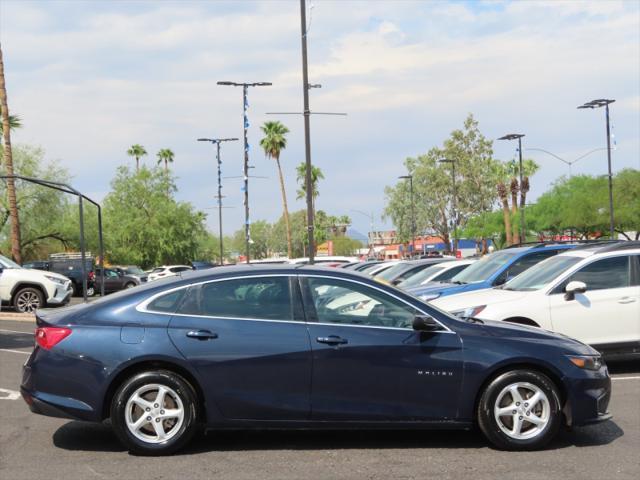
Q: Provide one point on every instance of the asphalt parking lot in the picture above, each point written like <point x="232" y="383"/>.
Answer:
<point x="34" y="447"/>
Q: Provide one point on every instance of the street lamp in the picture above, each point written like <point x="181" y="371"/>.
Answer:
<point x="603" y="102"/>
<point x="245" y="170"/>
<point x="568" y="162"/>
<point x="454" y="203"/>
<point x="413" y="215"/>
<point x="370" y="217"/>
<point x="518" y="136"/>
<point x="216" y="142"/>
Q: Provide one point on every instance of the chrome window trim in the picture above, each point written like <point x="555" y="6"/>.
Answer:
<point x="142" y="307"/>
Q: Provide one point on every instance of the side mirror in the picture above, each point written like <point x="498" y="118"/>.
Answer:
<point x="572" y="288"/>
<point x="425" y="323"/>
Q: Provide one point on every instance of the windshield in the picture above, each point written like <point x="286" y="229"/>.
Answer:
<point x="484" y="268"/>
<point x="134" y="270"/>
<point x="541" y="274"/>
<point x="421" y="277"/>
<point x="391" y="273"/>
<point x="7" y="263"/>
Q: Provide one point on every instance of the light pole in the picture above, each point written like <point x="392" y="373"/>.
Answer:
<point x="518" y="136"/>
<point x="454" y="202"/>
<point x="216" y="142"/>
<point x="370" y="217"/>
<point x="568" y="162"/>
<point x="603" y="102"/>
<point x="413" y="216"/>
<point x="245" y="170"/>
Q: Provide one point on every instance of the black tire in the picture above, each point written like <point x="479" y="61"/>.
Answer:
<point x="129" y="285"/>
<point x="183" y="432"/>
<point x="28" y="299"/>
<point x="541" y="434"/>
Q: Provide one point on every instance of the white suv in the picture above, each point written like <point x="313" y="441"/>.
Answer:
<point x="590" y="293"/>
<point x="167" y="271"/>
<point x="26" y="289"/>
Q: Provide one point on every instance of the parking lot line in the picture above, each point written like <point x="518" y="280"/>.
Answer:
<point x="625" y="378"/>
<point x="14" y="351"/>
<point x="6" y="394"/>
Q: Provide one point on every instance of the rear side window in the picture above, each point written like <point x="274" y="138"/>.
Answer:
<point x="257" y="298"/>
<point x="167" y="303"/>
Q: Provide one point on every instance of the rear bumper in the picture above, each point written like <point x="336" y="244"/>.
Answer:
<point x="56" y="406"/>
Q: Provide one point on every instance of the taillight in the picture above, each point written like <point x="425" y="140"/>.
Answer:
<point x="49" y="337"/>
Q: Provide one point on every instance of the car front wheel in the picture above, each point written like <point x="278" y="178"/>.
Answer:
<point x="28" y="299"/>
<point x="154" y="413"/>
<point x="520" y="410"/>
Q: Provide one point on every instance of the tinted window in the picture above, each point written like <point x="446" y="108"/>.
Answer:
<point x="267" y="297"/>
<point x="338" y="301"/>
<point x="449" y="274"/>
<point x="484" y="268"/>
<point x="611" y="272"/>
<point x="179" y="269"/>
<point x="167" y="303"/>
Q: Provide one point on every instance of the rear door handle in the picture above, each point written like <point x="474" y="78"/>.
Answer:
<point x="627" y="300"/>
<point x="332" y="340"/>
<point x="202" y="334"/>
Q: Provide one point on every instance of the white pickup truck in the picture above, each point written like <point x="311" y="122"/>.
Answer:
<point x="26" y="290"/>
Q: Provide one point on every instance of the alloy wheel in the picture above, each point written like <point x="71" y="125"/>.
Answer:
<point x="154" y="413"/>
<point x="522" y="410"/>
<point x="28" y="302"/>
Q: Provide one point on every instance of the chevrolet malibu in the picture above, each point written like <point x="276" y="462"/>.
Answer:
<point x="302" y="347"/>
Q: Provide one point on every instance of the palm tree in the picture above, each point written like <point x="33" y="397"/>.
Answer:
<point x="14" y="122"/>
<point x="273" y="143"/>
<point x="137" y="151"/>
<point x="301" y="177"/>
<point x="165" y="155"/>
<point x="8" y="161"/>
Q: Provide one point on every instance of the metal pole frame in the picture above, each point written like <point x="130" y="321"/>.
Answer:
<point x="307" y="134"/>
<point x="63" y="187"/>
<point x="245" y="172"/>
<point x="455" y="210"/>
<point x="413" y="218"/>
<point x="523" y="230"/>
<point x="611" y="219"/>
<point x="220" y="201"/>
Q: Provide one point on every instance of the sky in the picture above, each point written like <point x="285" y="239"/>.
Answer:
<point x="91" y="78"/>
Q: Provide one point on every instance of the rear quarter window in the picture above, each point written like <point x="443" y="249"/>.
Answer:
<point x="167" y="303"/>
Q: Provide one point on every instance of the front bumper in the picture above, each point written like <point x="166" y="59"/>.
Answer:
<point x="588" y="398"/>
<point x="61" y="294"/>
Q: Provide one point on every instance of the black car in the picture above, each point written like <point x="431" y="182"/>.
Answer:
<point x="302" y="347"/>
<point x="115" y="281"/>
<point x="131" y="270"/>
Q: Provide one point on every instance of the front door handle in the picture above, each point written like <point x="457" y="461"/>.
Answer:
<point x="332" y="340"/>
<point x="202" y="334"/>
<point x="627" y="300"/>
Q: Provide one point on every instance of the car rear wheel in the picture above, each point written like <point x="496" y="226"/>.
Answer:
<point x="154" y="413"/>
<point x="28" y="299"/>
<point x="130" y="285"/>
<point x="520" y="410"/>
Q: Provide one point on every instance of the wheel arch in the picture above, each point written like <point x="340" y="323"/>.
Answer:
<point x="20" y="285"/>
<point x="153" y="364"/>
<point x="550" y="372"/>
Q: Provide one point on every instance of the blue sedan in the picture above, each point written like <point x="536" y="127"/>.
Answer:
<point x="302" y="347"/>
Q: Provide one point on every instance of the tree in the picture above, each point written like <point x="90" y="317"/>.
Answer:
<point x="8" y="164"/>
<point x="145" y="226"/>
<point x="301" y="178"/>
<point x="137" y="151"/>
<point x="14" y="122"/>
<point x="274" y="141"/>
<point x="165" y="156"/>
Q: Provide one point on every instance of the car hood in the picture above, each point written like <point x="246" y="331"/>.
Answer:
<point x="35" y="275"/>
<point x="534" y="334"/>
<point x="445" y="288"/>
<point x="490" y="296"/>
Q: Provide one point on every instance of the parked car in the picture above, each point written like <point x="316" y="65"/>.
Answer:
<point x="406" y="269"/>
<point x="231" y="349"/>
<point x="590" y="293"/>
<point x="167" y="271"/>
<point x="28" y="289"/>
<point x="115" y="281"/>
<point x="69" y="264"/>
<point x="37" y="265"/>
<point x="441" y="272"/>
<point x="373" y="270"/>
<point x="131" y="270"/>
<point x="492" y="270"/>
<point x="361" y="266"/>
<point x="328" y="261"/>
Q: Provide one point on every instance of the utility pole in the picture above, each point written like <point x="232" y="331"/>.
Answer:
<point x="245" y="169"/>
<point x="307" y="134"/>
<point x="216" y="142"/>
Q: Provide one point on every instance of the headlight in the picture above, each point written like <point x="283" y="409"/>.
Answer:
<point x="587" y="362"/>
<point x="427" y="297"/>
<point x="56" y="280"/>
<point x="469" y="312"/>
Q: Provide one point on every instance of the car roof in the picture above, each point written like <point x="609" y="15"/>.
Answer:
<point x="606" y="247"/>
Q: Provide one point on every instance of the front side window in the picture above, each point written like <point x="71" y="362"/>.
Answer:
<point x="254" y="297"/>
<point x="613" y="272"/>
<point x="349" y="303"/>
